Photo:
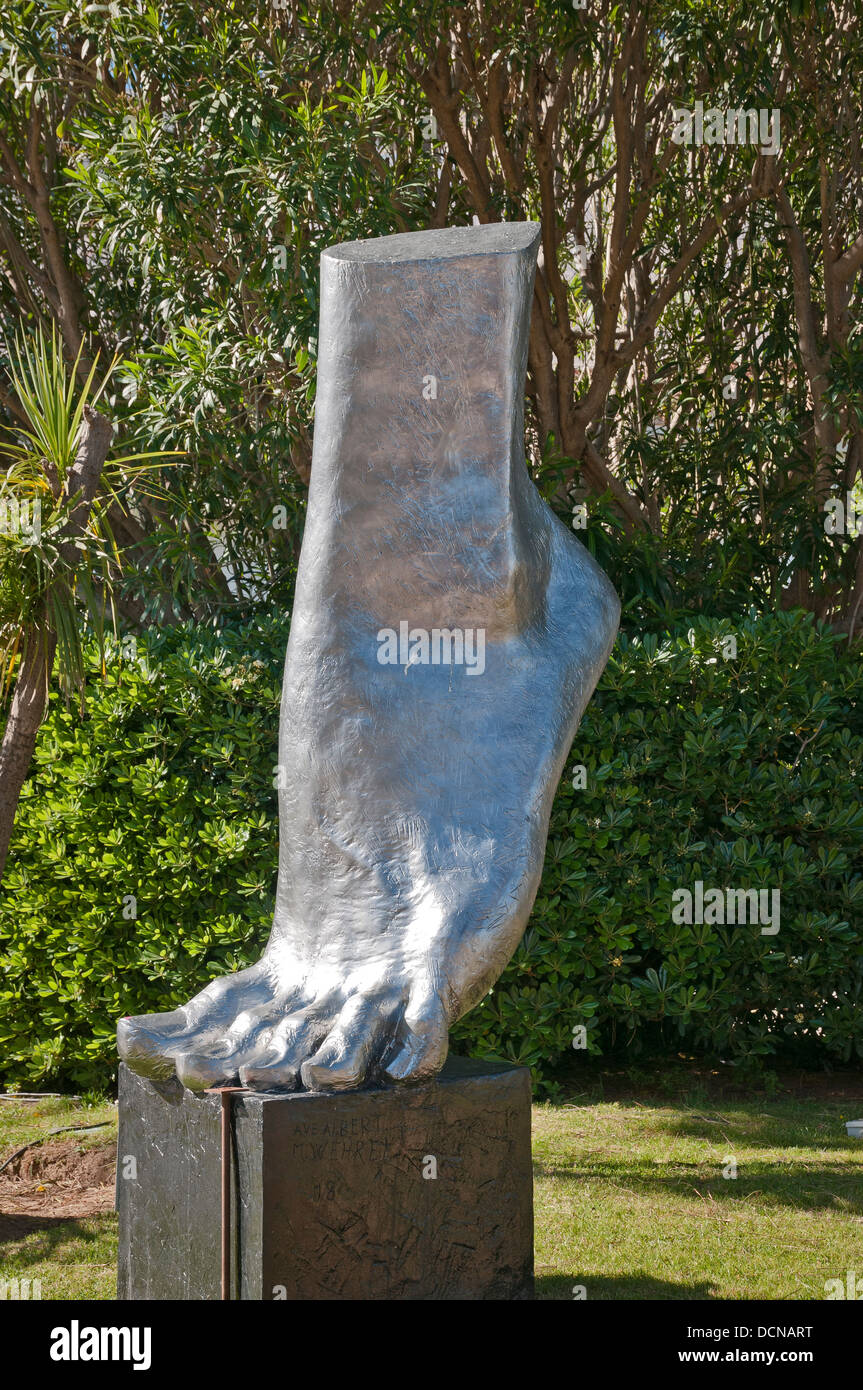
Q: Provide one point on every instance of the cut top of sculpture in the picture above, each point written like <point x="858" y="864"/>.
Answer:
<point x="490" y="239"/>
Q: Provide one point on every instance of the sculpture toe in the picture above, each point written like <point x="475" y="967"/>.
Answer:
<point x="198" y="1071"/>
<point x="269" y="1073"/>
<point x="144" y="1042"/>
<point x="422" y="1045"/>
<point x="276" y="1066"/>
<point x="349" y="1054"/>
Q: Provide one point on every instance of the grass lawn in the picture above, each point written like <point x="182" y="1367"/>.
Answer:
<point x="631" y="1201"/>
<point x="630" y="1197"/>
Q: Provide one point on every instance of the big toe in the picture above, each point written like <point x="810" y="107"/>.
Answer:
<point x="145" y="1041"/>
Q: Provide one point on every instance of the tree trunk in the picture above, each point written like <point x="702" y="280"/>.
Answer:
<point x="19" y="740"/>
<point x="38" y="645"/>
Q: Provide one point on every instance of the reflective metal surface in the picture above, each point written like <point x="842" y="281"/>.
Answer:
<point x="447" y="634"/>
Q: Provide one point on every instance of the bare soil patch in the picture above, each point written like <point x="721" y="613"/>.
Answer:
<point x="55" y="1181"/>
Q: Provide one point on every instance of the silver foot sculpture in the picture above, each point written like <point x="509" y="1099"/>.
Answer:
<point x="447" y="634"/>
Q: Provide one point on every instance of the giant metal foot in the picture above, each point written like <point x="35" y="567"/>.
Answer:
<point x="447" y="634"/>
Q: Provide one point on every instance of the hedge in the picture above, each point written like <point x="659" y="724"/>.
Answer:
<point x="145" y="852"/>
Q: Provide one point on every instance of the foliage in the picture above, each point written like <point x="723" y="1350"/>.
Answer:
<point x="193" y="178"/>
<point x="163" y="798"/>
<point x="171" y="169"/>
<point x="741" y="771"/>
<point x="50" y="575"/>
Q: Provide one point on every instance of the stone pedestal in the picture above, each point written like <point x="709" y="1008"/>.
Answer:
<point x="392" y="1194"/>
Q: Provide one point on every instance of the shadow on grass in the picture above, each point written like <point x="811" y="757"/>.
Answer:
<point x="623" y="1288"/>
<point x="787" y="1125"/>
<point x="793" y="1128"/>
<point x="804" y="1189"/>
<point x="687" y="1082"/>
<point x="53" y="1232"/>
<point x="802" y="1123"/>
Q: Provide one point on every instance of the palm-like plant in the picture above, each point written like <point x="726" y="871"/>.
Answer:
<point x="58" y="558"/>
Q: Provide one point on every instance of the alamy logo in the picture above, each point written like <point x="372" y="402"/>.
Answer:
<point x="727" y="126"/>
<point x="20" y="1289"/>
<point x="849" y="1287"/>
<point x="21" y="518"/>
<point x="76" y="1343"/>
<point x="842" y="518"/>
<point x="442" y="646"/>
<point x="721" y="906"/>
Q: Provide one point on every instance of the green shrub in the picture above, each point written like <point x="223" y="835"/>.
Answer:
<point x="163" y="794"/>
<point x="742" y="771"/>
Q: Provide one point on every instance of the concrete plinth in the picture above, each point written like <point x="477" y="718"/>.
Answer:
<point x="393" y="1194"/>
